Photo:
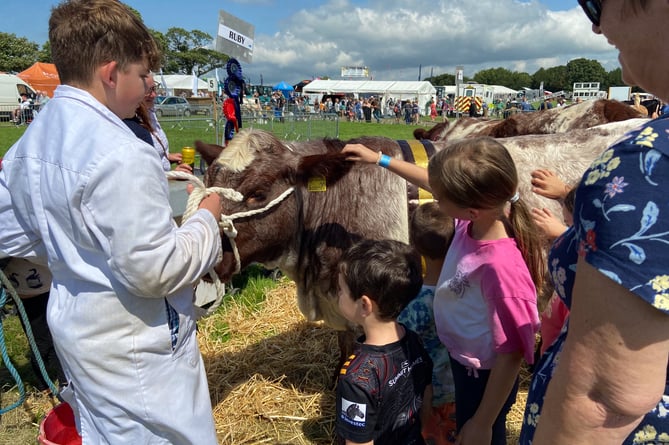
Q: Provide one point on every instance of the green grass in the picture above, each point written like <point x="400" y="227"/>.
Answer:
<point x="186" y="132"/>
<point x="9" y="133"/>
<point x="17" y="349"/>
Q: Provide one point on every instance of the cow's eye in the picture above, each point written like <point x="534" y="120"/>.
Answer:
<point x="256" y="197"/>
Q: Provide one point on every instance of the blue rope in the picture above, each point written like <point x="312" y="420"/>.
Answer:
<point x="31" y="340"/>
<point x="8" y="363"/>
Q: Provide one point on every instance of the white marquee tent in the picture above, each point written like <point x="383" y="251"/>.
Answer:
<point x="500" y="90"/>
<point x="174" y="84"/>
<point x="403" y="90"/>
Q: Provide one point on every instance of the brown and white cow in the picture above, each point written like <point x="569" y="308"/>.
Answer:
<point x="333" y="204"/>
<point x="303" y="203"/>
<point x="556" y="120"/>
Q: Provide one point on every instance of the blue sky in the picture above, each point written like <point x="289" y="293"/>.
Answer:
<point x="297" y="40"/>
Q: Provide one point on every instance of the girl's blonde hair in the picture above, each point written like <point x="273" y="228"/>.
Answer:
<point x="479" y="173"/>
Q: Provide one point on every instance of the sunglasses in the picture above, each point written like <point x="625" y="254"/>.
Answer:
<point x="593" y="9"/>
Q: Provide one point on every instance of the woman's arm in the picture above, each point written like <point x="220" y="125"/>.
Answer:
<point x="411" y="172"/>
<point x="612" y="370"/>
<point x="478" y="429"/>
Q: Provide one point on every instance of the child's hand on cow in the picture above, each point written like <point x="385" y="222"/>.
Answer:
<point x="548" y="223"/>
<point x="359" y="152"/>
<point x="547" y="183"/>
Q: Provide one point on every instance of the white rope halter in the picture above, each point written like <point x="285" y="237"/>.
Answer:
<point x="226" y="223"/>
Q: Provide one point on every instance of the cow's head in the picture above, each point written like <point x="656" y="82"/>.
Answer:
<point x="270" y="176"/>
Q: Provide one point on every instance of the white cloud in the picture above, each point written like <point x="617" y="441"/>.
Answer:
<point x="394" y="37"/>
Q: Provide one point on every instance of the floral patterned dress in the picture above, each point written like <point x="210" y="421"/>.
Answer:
<point x="621" y="227"/>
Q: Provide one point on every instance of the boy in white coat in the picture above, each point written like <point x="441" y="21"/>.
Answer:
<point x="81" y="192"/>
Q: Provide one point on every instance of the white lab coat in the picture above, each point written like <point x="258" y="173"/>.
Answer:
<point x="81" y="190"/>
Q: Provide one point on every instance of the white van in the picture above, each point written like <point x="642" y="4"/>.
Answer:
<point x="11" y="88"/>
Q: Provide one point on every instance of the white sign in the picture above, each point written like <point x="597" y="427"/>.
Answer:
<point x="235" y="37"/>
<point x="212" y="85"/>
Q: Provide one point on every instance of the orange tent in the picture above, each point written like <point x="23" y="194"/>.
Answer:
<point x="41" y="76"/>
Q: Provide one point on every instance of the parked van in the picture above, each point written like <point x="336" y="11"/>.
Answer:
<point x="11" y="88"/>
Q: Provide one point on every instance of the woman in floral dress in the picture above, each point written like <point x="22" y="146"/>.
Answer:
<point x="606" y="381"/>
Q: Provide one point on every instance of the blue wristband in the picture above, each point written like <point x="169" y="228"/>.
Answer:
<point x="384" y="161"/>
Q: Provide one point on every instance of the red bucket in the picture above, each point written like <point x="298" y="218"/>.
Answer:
<point x="58" y="428"/>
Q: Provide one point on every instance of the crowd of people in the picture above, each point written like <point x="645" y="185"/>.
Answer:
<point x="443" y="343"/>
<point x="376" y="108"/>
<point x="365" y="109"/>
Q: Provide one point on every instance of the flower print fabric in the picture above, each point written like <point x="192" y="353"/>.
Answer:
<point x="621" y="227"/>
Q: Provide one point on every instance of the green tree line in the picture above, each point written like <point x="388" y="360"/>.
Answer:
<point x="557" y="78"/>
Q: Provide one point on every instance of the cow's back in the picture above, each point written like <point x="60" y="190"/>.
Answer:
<point x="556" y="120"/>
<point x="567" y="154"/>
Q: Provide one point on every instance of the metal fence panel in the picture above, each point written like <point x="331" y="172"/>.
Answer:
<point x="295" y="126"/>
<point x="290" y="126"/>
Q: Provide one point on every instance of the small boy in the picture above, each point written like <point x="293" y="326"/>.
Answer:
<point x="430" y="233"/>
<point x="384" y="387"/>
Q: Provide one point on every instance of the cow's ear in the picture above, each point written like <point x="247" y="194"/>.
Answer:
<point x="506" y="128"/>
<point x="615" y="111"/>
<point x="331" y="166"/>
<point x="208" y="152"/>
<point x="433" y="134"/>
<point x="421" y="134"/>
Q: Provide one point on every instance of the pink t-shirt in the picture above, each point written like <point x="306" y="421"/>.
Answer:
<point x="485" y="301"/>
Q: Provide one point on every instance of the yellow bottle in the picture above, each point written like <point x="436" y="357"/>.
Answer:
<point x="188" y="156"/>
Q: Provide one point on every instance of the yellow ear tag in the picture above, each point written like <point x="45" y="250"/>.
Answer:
<point x="317" y="184"/>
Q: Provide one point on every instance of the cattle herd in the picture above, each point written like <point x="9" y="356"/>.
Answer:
<point x="328" y="203"/>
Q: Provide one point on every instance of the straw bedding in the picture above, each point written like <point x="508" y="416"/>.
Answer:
<point x="271" y="381"/>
